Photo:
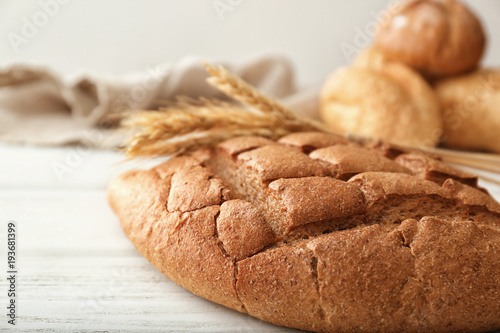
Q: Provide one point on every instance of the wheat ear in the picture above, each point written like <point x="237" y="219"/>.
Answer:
<point x="189" y="125"/>
<point x="241" y="91"/>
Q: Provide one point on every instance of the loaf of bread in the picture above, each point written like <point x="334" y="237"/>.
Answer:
<point x="381" y="99"/>
<point x="470" y="104"/>
<point x="318" y="233"/>
<point x="437" y="38"/>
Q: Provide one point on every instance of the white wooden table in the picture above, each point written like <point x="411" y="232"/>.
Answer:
<point x="77" y="272"/>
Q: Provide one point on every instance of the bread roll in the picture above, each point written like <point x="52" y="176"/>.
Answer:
<point x="309" y="234"/>
<point x="384" y="100"/>
<point x="437" y="38"/>
<point x="471" y="110"/>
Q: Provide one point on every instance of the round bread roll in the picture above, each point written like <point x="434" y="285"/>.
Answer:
<point x="471" y="110"/>
<point x="437" y="38"/>
<point x="384" y="100"/>
<point x="316" y="233"/>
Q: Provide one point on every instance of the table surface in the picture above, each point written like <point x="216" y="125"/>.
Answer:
<point x="76" y="269"/>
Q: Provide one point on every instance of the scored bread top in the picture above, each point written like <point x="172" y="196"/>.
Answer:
<point x="316" y="232"/>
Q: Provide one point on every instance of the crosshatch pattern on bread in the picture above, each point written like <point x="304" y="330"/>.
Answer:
<point x="319" y="233"/>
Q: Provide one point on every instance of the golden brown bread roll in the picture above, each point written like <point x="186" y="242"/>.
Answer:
<point x="437" y="38"/>
<point x="382" y="99"/>
<point x="471" y="110"/>
<point x="277" y="230"/>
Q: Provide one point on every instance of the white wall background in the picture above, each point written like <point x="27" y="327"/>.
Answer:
<point x="116" y="36"/>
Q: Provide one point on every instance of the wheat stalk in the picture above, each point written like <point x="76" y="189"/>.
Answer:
<point x="189" y="125"/>
<point x="243" y="92"/>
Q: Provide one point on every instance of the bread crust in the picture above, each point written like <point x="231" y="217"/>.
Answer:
<point x="383" y="251"/>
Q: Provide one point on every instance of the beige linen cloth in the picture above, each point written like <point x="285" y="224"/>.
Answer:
<point x="38" y="106"/>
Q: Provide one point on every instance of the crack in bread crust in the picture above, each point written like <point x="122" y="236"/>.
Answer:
<point x="235" y="270"/>
<point x="265" y="227"/>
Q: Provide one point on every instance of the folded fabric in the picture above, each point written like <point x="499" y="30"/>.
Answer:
<point x="38" y="106"/>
